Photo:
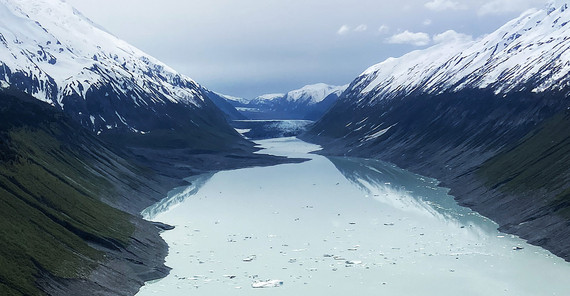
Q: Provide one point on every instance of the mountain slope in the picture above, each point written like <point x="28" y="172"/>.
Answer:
<point x="71" y="201"/>
<point x="450" y="110"/>
<point x="223" y="103"/>
<point x="56" y="230"/>
<point x="528" y="53"/>
<point x="307" y="103"/>
<point x="51" y="51"/>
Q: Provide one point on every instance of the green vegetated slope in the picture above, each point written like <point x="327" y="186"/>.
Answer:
<point x="539" y="163"/>
<point x="50" y="210"/>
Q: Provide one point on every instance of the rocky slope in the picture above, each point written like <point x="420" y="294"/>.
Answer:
<point x="92" y="131"/>
<point x="60" y="188"/>
<point x="70" y="216"/>
<point x="460" y="110"/>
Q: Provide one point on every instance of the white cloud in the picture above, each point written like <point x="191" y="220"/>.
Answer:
<point x="346" y="29"/>
<point x="407" y="37"/>
<point x="451" y="36"/>
<point x="497" y="7"/>
<point x="361" y="28"/>
<point x="343" y="30"/>
<point x="384" y="29"/>
<point x="439" y="5"/>
<point x="427" y="22"/>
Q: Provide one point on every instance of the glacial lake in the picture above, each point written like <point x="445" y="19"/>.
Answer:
<point x="339" y="226"/>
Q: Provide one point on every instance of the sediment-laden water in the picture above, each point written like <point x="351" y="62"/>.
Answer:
<point x="339" y="226"/>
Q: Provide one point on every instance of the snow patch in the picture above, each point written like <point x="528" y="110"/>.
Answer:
<point x="377" y="134"/>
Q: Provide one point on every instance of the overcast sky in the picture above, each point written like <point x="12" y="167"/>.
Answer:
<point x="252" y="47"/>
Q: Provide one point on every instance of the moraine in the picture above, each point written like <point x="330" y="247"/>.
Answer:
<point x="337" y="226"/>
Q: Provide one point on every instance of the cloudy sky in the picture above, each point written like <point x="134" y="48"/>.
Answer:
<point x="252" y="47"/>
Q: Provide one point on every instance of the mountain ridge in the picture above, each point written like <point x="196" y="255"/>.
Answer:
<point x="307" y="103"/>
<point x="458" y="111"/>
<point x="513" y="55"/>
<point x="51" y="51"/>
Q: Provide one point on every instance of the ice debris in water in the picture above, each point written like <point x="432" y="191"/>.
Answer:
<point x="267" y="284"/>
<point x="250" y="258"/>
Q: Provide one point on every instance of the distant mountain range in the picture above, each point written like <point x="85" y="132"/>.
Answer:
<point x="307" y="103"/>
<point x="488" y="117"/>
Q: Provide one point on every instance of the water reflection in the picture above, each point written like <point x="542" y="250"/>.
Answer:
<point x="336" y="227"/>
<point x="177" y="196"/>
<point x="406" y="191"/>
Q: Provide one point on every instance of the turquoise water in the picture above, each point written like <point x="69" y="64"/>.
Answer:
<point x="339" y="226"/>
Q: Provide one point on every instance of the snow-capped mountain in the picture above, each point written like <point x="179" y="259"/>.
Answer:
<point x="309" y="102"/>
<point x="268" y="97"/>
<point x="51" y="51"/>
<point x="530" y="54"/>
<point x="487" y="117"/>
<point x="234" y="100"/>
<point x="316" y="93"/>
<point x="309" y="94"/>
<point x="531" y="51"/>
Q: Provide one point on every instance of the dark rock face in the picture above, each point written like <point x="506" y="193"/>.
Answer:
<point x="456" y="137"/>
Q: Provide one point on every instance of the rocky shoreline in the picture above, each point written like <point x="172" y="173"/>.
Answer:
<point x="529" y="214"/>
<point x="125" y="270"/>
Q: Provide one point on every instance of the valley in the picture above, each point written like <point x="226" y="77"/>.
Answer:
<point x="448" y="166"/>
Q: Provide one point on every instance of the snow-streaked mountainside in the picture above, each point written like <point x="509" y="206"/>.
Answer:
<point x="51" y="51"/>
<point x="236" y="100"/>
<point x="315" y="93"/>
<point x="309" y="94"/>
<point x="268" y="97"/>
<point x="489" y="118"/>
<point x="530" y="51"/>
<point x="309" y="102"/>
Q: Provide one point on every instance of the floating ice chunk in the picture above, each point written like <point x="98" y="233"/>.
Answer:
<point x="267" y="284"/>
<point x="250" y="258"/>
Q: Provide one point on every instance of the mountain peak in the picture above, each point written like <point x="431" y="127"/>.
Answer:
<point x="314" y="93"/>
<point x="529" y="51"/>
<point x="51" y="51"/>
